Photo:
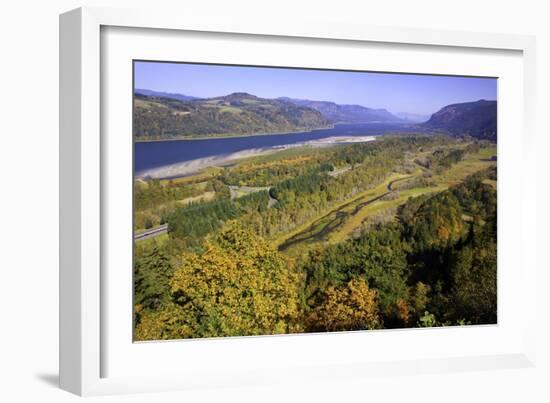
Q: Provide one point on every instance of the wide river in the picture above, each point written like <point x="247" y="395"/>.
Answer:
<point x="182" y="157"/>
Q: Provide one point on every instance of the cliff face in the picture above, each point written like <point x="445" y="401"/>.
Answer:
<point x="477" y="119"/>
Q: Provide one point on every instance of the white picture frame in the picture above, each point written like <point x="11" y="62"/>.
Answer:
<point x="83" y="295"/>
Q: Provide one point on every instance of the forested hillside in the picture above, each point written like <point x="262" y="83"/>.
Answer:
<point x="158" y="118"/>
<point x="436" y="265"/>
<point x="477" y="119"/>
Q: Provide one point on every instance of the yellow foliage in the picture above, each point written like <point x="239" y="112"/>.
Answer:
<point x="403" y="310"/>
<point x="250" y="167"/>
<point x="419" y="297"/>
<point x="239" y="286"/>
<point x="352" y="307"/>
<point x="167" y="323"/>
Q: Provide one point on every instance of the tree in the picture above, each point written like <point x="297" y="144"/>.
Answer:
<point x="352" y="307"/>
<point x="377" y="257"/>
<point x="436" y="224"/>
<point x="427" y="320"/>
<point x="152" y="273"/>
<point x="474" y="291"/>
<point x="419" y="297"/>
<point x="239" y="286"/>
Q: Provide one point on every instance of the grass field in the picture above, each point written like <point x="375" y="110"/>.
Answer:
<point x="288" y="153"/>
<point x="206" y="196"/>
<point x="240" y="191"/>
<point x="230" y="109"/>
<point x="203" y="175"/>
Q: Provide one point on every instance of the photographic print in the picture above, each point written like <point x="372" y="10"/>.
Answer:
<point x="273" y="200"/>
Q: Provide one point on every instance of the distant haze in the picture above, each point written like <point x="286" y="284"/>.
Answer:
<point x="415" y="95"/>
<point x="413" y="117"/>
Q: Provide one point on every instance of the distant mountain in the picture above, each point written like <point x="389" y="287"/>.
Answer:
<point x="477" y="119"/>
<point x="336" y="113"/>
<point x="159" y="94"/>
<point x="413" y="117"/>
<point x="234" y="114"/>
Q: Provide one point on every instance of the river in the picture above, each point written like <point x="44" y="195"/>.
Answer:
<point x="172" y="158"/>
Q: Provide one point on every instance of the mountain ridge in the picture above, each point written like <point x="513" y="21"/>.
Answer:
<point x="346" y="113"/>
<point x="163" y="115"/>
<point x="157" y="118"/>
<point x="477" y="119"/>
<point x="162" y="94"/>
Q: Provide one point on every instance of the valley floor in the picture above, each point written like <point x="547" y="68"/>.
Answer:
<point x="396" y="232"/>
<point x="349" y="218"/>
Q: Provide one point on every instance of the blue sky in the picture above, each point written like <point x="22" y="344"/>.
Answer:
<point x="412" y="93"/>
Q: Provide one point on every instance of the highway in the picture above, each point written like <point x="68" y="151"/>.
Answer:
<point x="152" y="232"/>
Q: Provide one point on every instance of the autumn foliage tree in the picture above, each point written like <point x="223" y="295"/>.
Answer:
<point x="238" y="286"/>
<point x="351" y="307"/>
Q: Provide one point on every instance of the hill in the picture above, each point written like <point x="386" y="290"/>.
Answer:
<point x="337" y="113"/>
<point x="477" y="119"/>
<point x="233" y="114"/>
<point x="159" y="94"/>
